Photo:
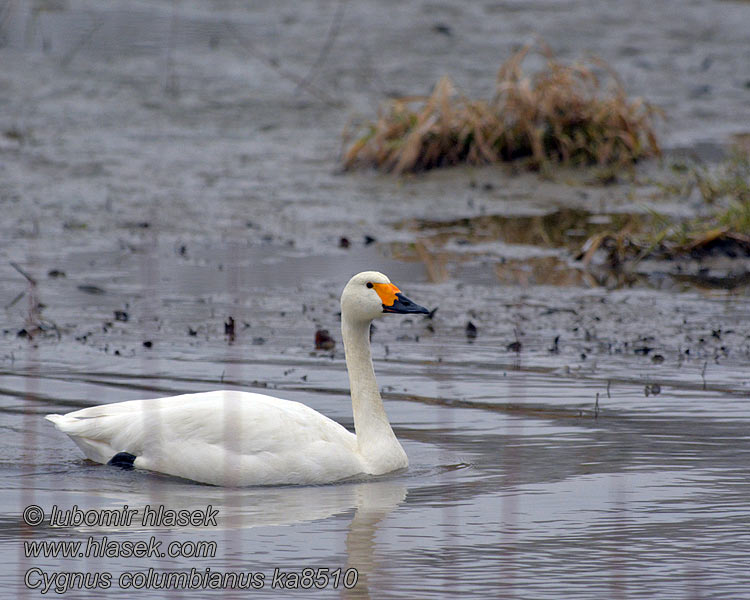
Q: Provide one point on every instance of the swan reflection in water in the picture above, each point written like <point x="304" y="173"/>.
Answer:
<point x="261" y="528"/>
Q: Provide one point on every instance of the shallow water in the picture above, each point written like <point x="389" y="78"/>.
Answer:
<point x="519" y="490"/>
<point x="161" y="173"/>
<point x="533" y="474"/>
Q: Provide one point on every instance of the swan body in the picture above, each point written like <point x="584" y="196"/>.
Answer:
<point x="239" y="438"/>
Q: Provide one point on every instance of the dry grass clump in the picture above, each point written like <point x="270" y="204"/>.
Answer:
<point x="563" y="113"/>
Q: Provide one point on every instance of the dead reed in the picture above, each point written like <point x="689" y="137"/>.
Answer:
<point x="574" y="114"/>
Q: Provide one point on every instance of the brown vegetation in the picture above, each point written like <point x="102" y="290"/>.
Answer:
<point x="562" y="113"/>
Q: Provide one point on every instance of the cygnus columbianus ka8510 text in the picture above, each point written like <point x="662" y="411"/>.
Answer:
<point x="240" y="438"/>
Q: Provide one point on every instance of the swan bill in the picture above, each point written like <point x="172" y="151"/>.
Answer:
<point x="403" y="306"/>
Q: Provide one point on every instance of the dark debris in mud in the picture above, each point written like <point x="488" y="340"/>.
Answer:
<point x="94" y="290"/>
<point x="229" y="328"/>
<point x="323" y="340"/>
<point x="514" y="347"/>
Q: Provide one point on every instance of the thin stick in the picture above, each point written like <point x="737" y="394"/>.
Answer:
<point x="253" y="50"/>
<point x="16" y="299"/>
<point x="435" y="268"/>
<point x="28" y="277"/>
<point x="172" y="84"/>
<point x="82" y="41"/>
<point x="5" y="15"/>
<point x="333" y="32"/>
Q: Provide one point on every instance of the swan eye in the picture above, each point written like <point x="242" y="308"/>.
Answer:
<point x="369" y="284"/>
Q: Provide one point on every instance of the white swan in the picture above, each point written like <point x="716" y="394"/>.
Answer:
<point x="239" y="438"/>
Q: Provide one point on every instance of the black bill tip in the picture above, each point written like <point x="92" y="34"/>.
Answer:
<point x="404" y="306"/>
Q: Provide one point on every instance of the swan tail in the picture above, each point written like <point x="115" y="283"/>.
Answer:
<point x="95" y="450"/>
<point x="56" y="419"/>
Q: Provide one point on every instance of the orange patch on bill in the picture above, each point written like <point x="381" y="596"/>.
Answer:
<point x="387" y="292"/>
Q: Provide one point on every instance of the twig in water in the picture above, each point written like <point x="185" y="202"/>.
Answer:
<point x="82" y="41"/>
<point x="253" y="50"/>
<point x="14" y="301"/>
<point x="4" y="17"/>
<point x="436" y="270"/>
<point x="703" y="374"/>
<point x="609" y="383"/>
<point x="28" y="277"/>
<point x="172" y="84"/>
<point x="596" y="406"/>
<point x="34" y="322"/>
<point x="333" y="32"/>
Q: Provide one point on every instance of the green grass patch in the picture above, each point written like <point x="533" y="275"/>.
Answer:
<point x="721" y="227"/>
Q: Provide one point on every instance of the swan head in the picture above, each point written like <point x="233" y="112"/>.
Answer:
<point x="370" y="295"/>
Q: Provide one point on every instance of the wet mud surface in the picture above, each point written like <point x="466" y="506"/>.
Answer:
<point x="169" y="167"/>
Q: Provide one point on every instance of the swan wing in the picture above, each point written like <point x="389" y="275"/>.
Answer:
<point x="220" y="438"/>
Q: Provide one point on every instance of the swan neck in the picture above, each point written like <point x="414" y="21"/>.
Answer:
<point x="371" y="423"/>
